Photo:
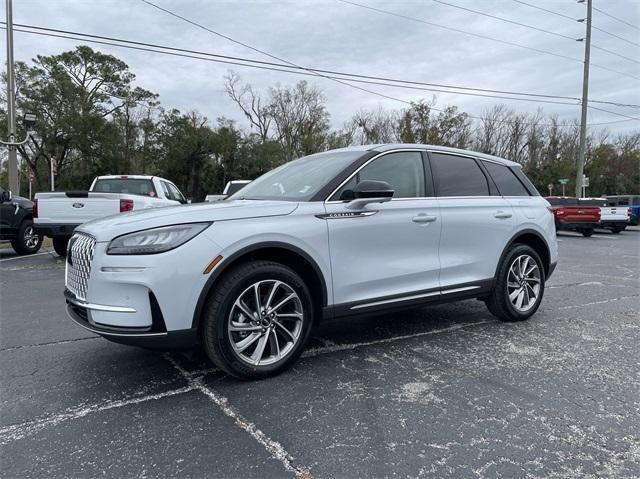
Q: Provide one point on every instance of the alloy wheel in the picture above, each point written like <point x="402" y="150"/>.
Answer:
<point x="523" y="283"/>
<point x="31" y="239"/>
<point x="265" y="322"/>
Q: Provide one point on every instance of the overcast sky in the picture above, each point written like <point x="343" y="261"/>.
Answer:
<point x="337" y="36"/>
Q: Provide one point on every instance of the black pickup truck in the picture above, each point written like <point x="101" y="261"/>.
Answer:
<point x="16" y="223"/>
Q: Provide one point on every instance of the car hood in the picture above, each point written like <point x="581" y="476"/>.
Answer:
<point x="105" y="229"/>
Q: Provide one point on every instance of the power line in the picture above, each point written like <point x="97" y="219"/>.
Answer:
<point x="574" y="20"/>
<point x="495" y="17"/>
<point x="616" y="18"/>
<point x="484" y="37"/>
<point x="331" y="72"/>
<point x="531" y="27"/>
<point x="286" y="68"/>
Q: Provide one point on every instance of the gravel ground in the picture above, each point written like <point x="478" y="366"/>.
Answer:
<point x="446" y="391"/>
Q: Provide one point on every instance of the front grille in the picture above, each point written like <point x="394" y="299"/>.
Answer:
<point x="79" y="258"/>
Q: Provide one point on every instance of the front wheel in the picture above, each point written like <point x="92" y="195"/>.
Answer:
<point x="27" y="241"/>
<point x="60" y="244"/>
<point x="519" y="285"/>
<point x="258" y="320"/>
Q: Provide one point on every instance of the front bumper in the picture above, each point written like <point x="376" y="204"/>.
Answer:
<point x="155" y="337"/>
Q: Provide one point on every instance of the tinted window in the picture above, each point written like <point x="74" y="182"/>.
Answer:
<point x="592" y="202"/>
<point x="559" y="201"/>
<point x="458" y="176"/>
<point x="404" y="171"/>
<point x="125" y="185"/>
<point x="506" y="181"/>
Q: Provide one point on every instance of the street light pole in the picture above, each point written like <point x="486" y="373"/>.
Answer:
<point x="585" y="95"/>
<point x="14" y="185"/>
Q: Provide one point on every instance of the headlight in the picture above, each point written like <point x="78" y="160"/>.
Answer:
<point x="156" y="240"/>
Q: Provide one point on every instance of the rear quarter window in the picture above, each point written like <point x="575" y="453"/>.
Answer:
<point x="505" y="179"/>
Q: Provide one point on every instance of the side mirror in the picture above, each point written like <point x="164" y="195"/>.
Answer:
<point x="370" y="191"/>
<point x="6" y="196"/>
<point x="189" y="201"/>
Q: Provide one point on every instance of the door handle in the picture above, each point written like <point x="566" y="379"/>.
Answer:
<point x="502" y="215"/>
<point x="423" y="218"/>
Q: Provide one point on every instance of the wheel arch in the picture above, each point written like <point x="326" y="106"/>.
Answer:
<point x="292" y="256"/>
<point x="535" y="240"/>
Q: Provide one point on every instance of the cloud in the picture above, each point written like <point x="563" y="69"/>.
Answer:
<point x="337" y="36"/>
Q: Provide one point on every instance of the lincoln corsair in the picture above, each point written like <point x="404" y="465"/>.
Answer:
<point x="346" y="232"/>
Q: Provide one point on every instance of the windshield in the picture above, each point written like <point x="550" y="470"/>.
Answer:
<point x="125" y="185"/>
<point x="298" y="180"/>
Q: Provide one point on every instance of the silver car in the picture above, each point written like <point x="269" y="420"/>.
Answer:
<point x="331" y="235"/>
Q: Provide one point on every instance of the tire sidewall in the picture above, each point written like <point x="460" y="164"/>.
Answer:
<point x="513" y="253"/>
<point x="217" y="330"/>
<point x="20" y="244"/>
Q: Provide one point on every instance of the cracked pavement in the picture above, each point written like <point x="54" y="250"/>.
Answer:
<point x="445" y="391"/>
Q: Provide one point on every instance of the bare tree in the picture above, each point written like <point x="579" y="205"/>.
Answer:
<point x="251" y="104"/>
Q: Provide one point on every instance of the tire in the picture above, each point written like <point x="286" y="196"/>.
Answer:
<point x="499" y="302"/>
<point x="60" y="244"/>
<point x="26" y="241"/>
<point x="587" y="233"/>
<point x="617" y="229"/>
<point x="224" y="347"/>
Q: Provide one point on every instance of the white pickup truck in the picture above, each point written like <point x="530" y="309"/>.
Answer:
<point x="614" y="218"/>
<point x="57" y="214"/>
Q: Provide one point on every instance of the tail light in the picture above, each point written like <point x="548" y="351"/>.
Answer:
<point x="126" y="205"/>
<point x="34" y="211"/>
<point x="628" y="211"/>
<point x="560" y="212"/>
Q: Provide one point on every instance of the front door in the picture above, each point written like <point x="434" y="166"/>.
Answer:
<point x="386" y="253"/>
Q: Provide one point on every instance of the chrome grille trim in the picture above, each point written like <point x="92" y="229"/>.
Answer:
<point x="79" y="259"/>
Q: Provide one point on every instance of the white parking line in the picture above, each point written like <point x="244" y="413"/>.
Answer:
<point x="18" y="431"/>
<point x="25" y="256"/>
<point x="273" y="447"/>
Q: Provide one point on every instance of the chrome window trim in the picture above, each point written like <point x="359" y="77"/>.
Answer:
<point x="417" y="150"/>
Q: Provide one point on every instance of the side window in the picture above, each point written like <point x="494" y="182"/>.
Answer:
<point x="175" y="193"/>
<point x="458" y="176"/>
<point x="506" y="181"/>
<point x="165" y="190"/>
<point x="404" y="171"/>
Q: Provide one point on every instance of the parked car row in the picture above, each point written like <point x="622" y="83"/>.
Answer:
<point x="586" y="214"/>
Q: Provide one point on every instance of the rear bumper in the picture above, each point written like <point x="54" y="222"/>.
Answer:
<point x="613" y="223"/>
<point x="155" y="337"/>
<point x="575" y="226"/>
<point x="54" y="230"/>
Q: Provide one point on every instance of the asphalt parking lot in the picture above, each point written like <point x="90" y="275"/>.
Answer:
<point x="447" y="391"/>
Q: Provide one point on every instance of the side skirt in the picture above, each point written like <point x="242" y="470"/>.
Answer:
<point x="414" y="299"/>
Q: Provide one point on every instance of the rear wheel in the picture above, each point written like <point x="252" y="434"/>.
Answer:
<point x="519" y="285"/>
<point x="60" y="244"/>
<point x="26" y="241"/>
<point x="258" y="320"/>
<point x="617" y="229"/>
<point x="587" y="233"/>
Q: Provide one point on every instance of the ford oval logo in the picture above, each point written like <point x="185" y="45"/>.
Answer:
<point x="78" y="205"/>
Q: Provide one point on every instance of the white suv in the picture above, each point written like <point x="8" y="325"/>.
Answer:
<point x="345" y="232"/>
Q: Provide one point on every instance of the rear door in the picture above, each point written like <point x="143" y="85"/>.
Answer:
<point x="386" y="253"/>
<point x="476" y="224"/>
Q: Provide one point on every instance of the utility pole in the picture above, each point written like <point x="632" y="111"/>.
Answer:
<point x="14" y="184"/>
<point x="585" y="95"/>
<point x="29" y="120"/>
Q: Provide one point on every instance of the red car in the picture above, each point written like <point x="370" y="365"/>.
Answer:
<point x="572" y="216"/>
